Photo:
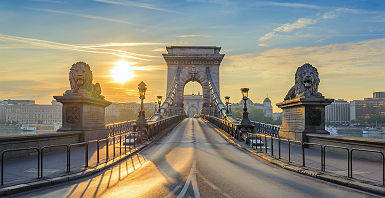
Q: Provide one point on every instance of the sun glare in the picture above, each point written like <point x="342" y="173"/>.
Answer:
<point x="122" y="72"/>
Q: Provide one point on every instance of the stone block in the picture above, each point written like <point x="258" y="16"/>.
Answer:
<point x="303" y="115"/>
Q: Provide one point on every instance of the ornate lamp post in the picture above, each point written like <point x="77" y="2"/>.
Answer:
<point x="141" y="123"/>
<point x="227" y="99"/>
<point x="159" y="102"/>
<point x="246" y="126"/>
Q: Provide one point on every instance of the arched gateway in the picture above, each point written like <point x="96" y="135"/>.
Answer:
<point x="191" y="63"/>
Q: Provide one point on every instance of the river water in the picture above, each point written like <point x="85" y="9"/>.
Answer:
<point x="340" y="132"/>
<point x="356" y="133"/>
<point x="4" y="132"/>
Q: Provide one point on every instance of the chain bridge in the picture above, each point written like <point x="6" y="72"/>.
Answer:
<point x="169" y="155"/>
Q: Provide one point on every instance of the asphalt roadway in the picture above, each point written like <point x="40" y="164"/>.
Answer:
<point x="193" y="160"/>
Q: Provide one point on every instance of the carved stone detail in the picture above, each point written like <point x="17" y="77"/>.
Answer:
<point x="80" y="77"/>
<point x="306" y="83"/>
<point x="72" y="114"/>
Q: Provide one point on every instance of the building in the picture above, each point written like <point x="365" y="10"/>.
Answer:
<point x="192" y="104"/>
<point x="27" y="112"/>
<point x="368" y="108"/>
<point x="18" y="102"/>
<point x="338" y="112"/>
<point x="277" y="116"/>
<point x="265" y="106"/>
<point x="119" y="112"/>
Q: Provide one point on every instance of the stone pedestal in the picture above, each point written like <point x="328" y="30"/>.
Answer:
<point x="303" y="115"/>
<point x="84" y="113"/>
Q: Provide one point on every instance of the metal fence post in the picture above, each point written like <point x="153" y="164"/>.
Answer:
<point x="288" y="143"/>
<point x="107" y="145"/>
<point x="271" y="145"/>
<point x="303" y="154"/>
<point x="113" y="139"/>
<point x="86" y="155"/>
<point x="97" y="152"/>
<point x="279" y="148"/>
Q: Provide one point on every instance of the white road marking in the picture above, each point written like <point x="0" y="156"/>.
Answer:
<point x="190" y="179"/>
<point x="194" y="181"/>
<point x="174" y="191"/>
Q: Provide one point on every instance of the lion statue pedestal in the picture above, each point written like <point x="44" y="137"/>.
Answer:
<point x="303" y="107"/>
<point x="83" y="106"/>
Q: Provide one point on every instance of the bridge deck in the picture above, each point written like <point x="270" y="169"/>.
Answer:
<point x="194" y="160"/>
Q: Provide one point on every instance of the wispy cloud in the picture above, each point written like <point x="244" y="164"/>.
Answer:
<point x="358" y="66"/>
<point x="49" y="1"/>
<point x="133" y="4"/>
<point x="263" y="45"/>
<point x="329" y="15"/>
<point x="98" y="48"/>
<point x="219" y="2"/>
<point x="83" y="15"/>
<point x="123" y="44"/>
<point x="290" y="5"/>
<point x="194" y="36"/>
<point x="289" y="27"/>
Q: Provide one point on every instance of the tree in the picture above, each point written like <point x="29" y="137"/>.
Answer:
<point x="254" y="115"/>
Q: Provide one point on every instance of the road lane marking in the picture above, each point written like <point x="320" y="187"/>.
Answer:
<point x="190" y="179"/>
<point x="194" y="181"/>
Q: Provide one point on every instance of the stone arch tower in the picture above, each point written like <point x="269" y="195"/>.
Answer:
<point x="188" y="63"/>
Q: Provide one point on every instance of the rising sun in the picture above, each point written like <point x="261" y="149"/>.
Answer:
<point x="122" y="72"/>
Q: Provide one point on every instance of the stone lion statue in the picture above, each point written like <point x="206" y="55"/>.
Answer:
<point x="306" y="83"/>
<point x="80" y="77"/>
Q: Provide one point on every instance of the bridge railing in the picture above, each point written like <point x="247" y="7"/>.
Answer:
<point x="80" y="157"/>
<point x="260" y="127"/>
<point x="265" y="139"/>
<point x="120" y="127"/>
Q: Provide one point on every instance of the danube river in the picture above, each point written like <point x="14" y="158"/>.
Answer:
<point x="13" y="131"/>
<point x="341" y="132"/>
<point x="356" y="133"/>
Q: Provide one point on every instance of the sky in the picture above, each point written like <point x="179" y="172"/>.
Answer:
<point x="263" y="41"/>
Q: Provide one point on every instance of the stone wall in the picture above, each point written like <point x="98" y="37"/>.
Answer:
<point x="36" y="140"/>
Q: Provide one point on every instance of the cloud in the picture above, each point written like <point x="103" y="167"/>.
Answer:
<point x="291" y="5"/>
<point x="349" y="70"/>
<point x="83" y="15"/>
<point x="268" y="36"/>
<point x="133" y="4"/>
<point x="162" y="49"/>
<point x="263" y="45"/>
<point x="300" y="23"/>
<point x="194" y="36"/>
<point x="219" y="2"/>
<point x="96" y="48"/>
<point x="288" y="27"/>
<point x="346" y="59"/>
<point x="329" y="15"/>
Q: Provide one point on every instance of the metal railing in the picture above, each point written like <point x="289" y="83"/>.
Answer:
<point x="121" y="135"/>
<point x="270" y="132"/>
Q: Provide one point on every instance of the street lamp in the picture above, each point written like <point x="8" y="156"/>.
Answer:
<point x="141" y="123"/>
<point x="227" y="99"/>
<point x="246" y="125"/>
<point x="159" y="102"/>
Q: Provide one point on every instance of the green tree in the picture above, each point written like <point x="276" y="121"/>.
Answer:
<point x="254" y="115"/>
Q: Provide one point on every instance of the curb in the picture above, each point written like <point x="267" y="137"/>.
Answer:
<point x="308" y="172"/>
<point x="66" y="178"/>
